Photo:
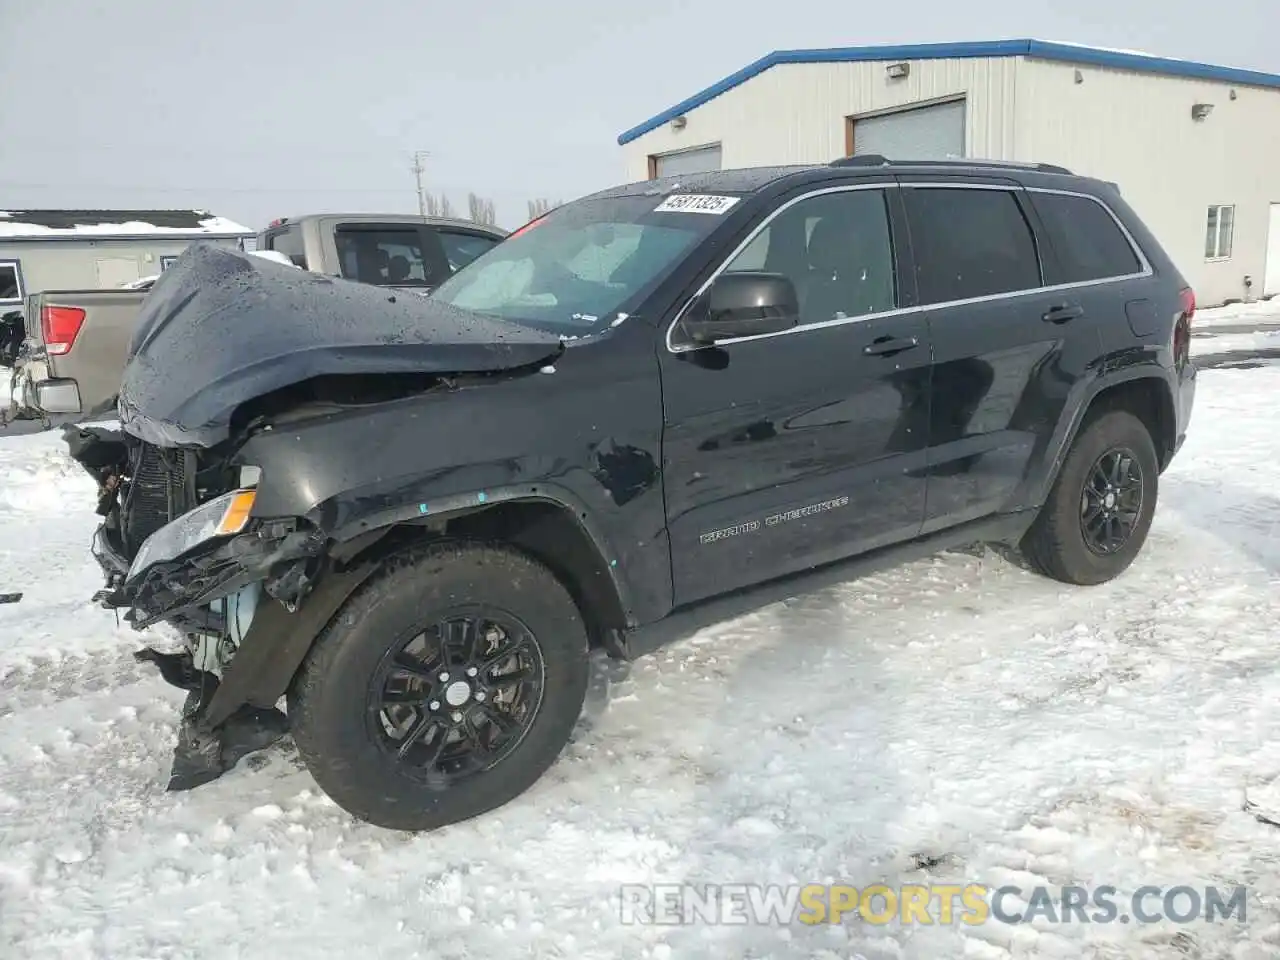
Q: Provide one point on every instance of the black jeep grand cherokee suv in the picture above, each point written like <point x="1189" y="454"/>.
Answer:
<point x="413" y="517"/>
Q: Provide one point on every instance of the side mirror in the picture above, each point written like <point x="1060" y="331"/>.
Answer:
<point x="743" y="304"/>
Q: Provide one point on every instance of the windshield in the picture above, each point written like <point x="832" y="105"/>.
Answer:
<point x="574" y="270"/>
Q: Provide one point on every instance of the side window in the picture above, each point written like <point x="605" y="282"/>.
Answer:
<point x="1086" y="239"/>
<point x="461" y="248"/>
<point x="391" y="256"/>
<point x="837" y="250"/>
<point x="289" y="242"/>
<point x="10" y="282"/>
<point x="970" y="243"/>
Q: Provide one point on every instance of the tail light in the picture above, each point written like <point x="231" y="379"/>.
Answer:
<point x="60" y="326"/>
<point x="1188" y="298"/>
<point x="1182" y="329"/>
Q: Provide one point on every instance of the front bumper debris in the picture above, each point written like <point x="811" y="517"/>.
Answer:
<point x="250" y="603"/>
<point x="224" y="719"/>
<point x="204" y="754"/>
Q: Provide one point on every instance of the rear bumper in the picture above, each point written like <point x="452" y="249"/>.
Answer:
<point x="37" y="395"/>
<point x="1186" y="400"/>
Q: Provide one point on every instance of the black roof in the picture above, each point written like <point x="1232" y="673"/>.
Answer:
<point x="751" y="179"/>
<point x="69" y="219"/>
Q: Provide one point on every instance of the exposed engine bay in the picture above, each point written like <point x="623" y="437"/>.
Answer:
<point x="208" y="587"/>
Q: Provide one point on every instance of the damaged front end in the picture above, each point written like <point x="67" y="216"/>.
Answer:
<point x="179" y="544"/>
<point x="215" y="492"/>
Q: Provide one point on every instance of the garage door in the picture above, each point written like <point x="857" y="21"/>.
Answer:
<point x="688" y="161"/>
<point x="925" y="133"/>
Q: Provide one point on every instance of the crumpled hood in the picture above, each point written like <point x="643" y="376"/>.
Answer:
<point x="220" y="328"/>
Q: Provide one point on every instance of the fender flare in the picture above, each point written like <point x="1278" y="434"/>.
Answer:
<point x="1038" y="485"/>
<point x="344" y="523"/>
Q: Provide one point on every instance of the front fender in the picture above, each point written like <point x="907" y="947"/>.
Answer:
<point x="594" y="454"/>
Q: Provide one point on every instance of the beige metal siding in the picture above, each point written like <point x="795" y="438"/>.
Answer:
<point x="1136" y="129"/>
<point x="795" y="113"/>
<point x="73" y="264"/>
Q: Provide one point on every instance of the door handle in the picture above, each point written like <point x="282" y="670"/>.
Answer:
<point x="1063" y="312"/>
<point x="885" y="346"/>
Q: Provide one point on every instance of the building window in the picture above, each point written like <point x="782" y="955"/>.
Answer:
<point x="10" y="282"/>
<point x="1217" y="239"/>
<point x="167" y="262"/>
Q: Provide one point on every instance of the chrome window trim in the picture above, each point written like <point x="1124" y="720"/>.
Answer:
<point x="885" y="185"/>
<point x="1136" y="247"/>
<point x="1145" y="272"/>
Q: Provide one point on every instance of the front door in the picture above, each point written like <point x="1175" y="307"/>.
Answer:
<point x="785" y="451"/>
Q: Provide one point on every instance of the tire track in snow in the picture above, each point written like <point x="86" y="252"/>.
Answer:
<point x="43" y="679"/>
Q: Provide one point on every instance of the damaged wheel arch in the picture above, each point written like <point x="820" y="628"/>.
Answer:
<point x="281" y="635"/>
<point x="544" y="521"/>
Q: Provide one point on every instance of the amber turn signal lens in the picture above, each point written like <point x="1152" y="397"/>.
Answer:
<point x="237" y="513"/>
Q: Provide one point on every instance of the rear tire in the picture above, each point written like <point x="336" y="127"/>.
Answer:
<point x="353" y="702"/>
<point x="1083" y="535"/>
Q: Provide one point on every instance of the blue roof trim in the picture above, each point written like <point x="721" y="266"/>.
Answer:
<point x="1062" y="52"/>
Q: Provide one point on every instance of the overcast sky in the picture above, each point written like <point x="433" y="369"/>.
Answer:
<point x="264" y="108"/>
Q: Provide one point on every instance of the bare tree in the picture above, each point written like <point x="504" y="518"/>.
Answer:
<point x="481" y="210"/>
<point x="541" y="206"/>
<point x="439" y="206"/>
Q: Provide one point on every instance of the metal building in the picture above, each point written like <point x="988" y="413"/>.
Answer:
<point x="90" y="249"/>
<point x="1193" y="147"/>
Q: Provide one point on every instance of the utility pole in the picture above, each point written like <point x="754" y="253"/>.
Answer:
<point x="418" y="157"/>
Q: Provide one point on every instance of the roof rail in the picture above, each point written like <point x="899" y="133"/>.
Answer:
<point x="861" y="160"/>
<point x="876" y="160"/>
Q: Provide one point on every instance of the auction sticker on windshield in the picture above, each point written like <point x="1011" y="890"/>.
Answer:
<point x="695" y="203"/>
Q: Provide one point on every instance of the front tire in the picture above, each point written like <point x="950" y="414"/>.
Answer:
<point x="444" y="688"/>
<point x="1098" y="514"/>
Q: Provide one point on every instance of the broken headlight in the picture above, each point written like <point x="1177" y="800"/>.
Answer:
<point x="224" y="516"/>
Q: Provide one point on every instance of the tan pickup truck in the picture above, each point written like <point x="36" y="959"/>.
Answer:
<point x="78" y="341"/>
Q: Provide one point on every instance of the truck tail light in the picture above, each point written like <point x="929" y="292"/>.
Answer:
<point x="60" y="326"/>
<point x="1182" y="329"/>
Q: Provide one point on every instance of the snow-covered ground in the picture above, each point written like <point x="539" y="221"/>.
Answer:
<point x="960" y="709"/>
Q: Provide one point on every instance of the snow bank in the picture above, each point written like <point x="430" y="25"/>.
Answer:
<point x="1260" y="311"/>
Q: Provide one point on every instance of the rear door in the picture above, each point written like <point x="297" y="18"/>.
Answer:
<point x="1097" y="263"/>
<point x="1006" y="348"/>
<point x="789" y="450"/>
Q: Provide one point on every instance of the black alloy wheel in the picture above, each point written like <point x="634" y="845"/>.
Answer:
<point x="444" y="687"/>
<point x="1099" y="511"/>
<point x="458" y="696"/>
<point x="1111" y="504"/>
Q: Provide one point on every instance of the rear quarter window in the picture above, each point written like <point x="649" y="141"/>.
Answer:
<point x="1087" y="241"/>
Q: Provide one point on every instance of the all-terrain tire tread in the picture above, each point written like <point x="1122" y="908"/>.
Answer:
<point x="427" y="561"/>
<point x="1053" y="545"/>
